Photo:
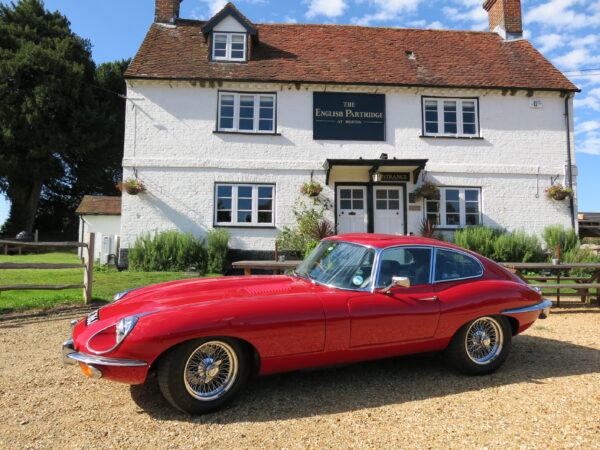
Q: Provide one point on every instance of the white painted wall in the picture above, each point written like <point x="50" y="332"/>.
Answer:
<point x="101" y="225"/>
<point x="171" y="144"/>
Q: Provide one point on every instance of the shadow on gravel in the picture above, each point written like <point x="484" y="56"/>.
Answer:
<point x="377" y="383"/>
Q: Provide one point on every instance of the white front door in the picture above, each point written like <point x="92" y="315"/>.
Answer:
<point x="388" y="209"/>
<point x="351" y="209"/>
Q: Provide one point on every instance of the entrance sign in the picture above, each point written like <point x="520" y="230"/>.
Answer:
<point x="348" y="116"/>
<point x="391" y="177"/>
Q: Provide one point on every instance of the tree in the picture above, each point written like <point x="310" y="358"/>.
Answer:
<point x="46" y="79"/>
<point x="94" y="171"/>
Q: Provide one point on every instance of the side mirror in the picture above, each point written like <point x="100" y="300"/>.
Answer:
<point x="397" y="282"/>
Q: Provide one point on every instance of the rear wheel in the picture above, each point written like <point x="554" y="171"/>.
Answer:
<point x="480" y="346"/>
<point x="203" y="375"/>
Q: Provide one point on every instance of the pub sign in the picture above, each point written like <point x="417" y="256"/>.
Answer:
<point x="348" y="116"/>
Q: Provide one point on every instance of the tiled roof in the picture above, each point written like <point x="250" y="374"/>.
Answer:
<point x="94" y="204"/>
<point x="352" y="55"/>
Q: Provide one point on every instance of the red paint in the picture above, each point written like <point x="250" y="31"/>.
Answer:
<point x="293" y="323"/>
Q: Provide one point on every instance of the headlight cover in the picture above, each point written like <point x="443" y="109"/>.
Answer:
<point x="120" y="295"/>
<point x="124" y="327"/>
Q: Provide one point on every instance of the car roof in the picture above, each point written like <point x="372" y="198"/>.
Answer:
<point x="387" y="240"/>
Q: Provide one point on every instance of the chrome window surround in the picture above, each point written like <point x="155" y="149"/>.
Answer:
<point x="377" y="263"/>
<point x="434" y="281"/>
<point x="431" y="258"/>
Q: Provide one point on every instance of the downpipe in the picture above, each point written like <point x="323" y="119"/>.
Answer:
<point x="569" y="162"/>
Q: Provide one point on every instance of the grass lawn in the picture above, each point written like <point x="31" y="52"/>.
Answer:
<point x="105" y="283"/>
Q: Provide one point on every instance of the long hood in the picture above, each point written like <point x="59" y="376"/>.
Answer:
<point x="188" y="292"/>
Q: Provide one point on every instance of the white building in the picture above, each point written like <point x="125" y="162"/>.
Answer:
<point x="100" y="215"/>
<point x="227" y="119"/>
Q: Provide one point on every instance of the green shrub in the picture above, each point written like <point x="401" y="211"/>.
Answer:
<point x="311" y="226"/>
<point x="591" y="240"/>
<point x="555" y="235"/>
<point x="217" y="240"/>
<point x="518" y="247"/>
<point x="479" y="239"/>
<point x="310" y="247"/>
<point x="581" y="256"/>
<point x="167" y="251"/>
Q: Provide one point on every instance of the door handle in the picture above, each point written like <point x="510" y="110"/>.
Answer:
<point x="352" y="213"/>
<point x="427" y="299"/>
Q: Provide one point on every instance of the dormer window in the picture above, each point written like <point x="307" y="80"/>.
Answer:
<point x="229" y="47"/>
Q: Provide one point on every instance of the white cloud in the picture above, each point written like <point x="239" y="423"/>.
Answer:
<point x="468" y="11"/>
<point x="329" y="8"/>
<point x="576" y="58"/>
<point x="560" y="14"/>
<point x="437" y="25"/>
<point x="590" y="125"/>
<point x="548" y="42"/>
<point x="386" y="10"/>
<point x="288" y="19"/>
<point x="590" y="143"/>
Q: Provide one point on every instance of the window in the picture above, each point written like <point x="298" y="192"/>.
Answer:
<point x="452" y="265"/>
<point x="229" y="47"/>
<point x="245" y="205"/>
<point x="455" y="207"/>
<point x="246" y="113"/>
<point x="450" y="117"/>
<point x="411" y="262"/>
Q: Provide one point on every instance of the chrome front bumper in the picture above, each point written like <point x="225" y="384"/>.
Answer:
<point x="544" y="306"/>
<point x="71" y="356"/>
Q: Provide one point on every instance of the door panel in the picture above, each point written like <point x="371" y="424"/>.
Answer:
<point x="352" y="209"/>
<point x="388" y="209"/>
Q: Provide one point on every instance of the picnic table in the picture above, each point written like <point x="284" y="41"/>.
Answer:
<point x="276" y="266"/>
<point x="583" y="284"/>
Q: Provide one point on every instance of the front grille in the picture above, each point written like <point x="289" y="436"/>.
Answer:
<point x="92" y="317"/>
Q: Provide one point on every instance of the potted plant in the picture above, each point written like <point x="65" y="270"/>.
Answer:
<point x="558" y="192"/>
<point x="131" y="185"/>
<point x="427" y="190"/>
<point x="312" y="188"/>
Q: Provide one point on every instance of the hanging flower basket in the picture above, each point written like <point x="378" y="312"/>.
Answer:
<point x="558" y="192"/>
<point x="312" y="189"/>
<point x="131" y="186"/>
<point x="427" y="190"/>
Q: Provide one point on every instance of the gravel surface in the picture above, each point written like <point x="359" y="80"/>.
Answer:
<point x="547" y="395"/>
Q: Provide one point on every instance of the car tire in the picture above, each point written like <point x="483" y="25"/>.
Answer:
<point x="480" y="346"/>
<point x="203" y="375"/>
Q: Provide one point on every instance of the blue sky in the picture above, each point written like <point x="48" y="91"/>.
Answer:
<point x="566" y="31"/>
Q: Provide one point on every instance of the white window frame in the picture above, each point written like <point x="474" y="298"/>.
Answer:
<point x="234" y="205"/>
<point x="255" y="116"/>
<point x="462" y="206"/>
<point x="228" y="47"/>
<point x="459" y="116"/>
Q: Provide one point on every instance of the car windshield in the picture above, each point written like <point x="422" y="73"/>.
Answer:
<point x="339" y="264"/>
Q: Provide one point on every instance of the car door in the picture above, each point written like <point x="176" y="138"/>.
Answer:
<point x="402" y="314"/>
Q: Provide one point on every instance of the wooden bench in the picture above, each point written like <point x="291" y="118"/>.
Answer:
<point x="276" y="266"/>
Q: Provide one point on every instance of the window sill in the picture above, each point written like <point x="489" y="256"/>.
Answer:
<point x="244" y="226"/>
<point x="245" y="133"/>
<point x="425" y="136"/>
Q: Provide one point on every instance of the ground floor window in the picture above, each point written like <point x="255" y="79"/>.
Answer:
<point x="455" y="207"/>
<point x="244" y="204"/>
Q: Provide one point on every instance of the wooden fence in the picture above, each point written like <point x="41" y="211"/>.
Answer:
<point x="87" y="265"/>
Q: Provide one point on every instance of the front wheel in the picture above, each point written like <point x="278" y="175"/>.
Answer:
<point x="203" y="375"/>
<point x="480" y="346"/>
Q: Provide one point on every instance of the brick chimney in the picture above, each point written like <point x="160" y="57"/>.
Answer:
<point x="166" y="11"/>
<point x="505" y="17"/>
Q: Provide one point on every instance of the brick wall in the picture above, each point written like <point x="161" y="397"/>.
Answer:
<point x="506" y="14"/>
<point x="166" y="11"/>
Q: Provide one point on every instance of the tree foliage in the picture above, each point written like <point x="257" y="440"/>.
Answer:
<point x="60" y="132"/>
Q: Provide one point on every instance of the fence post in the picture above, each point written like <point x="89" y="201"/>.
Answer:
<point x="89" y="269"/>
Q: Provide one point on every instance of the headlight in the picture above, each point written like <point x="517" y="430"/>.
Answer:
<point x="122" y="294"/>
<point x="124" y="327"/>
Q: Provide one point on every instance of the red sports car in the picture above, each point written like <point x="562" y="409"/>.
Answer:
<point x="356" y="297"/>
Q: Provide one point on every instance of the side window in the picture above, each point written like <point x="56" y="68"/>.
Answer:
<point x="411" y="262"/>
<point x="450" y="265"/>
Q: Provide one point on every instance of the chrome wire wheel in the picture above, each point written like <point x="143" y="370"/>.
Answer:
<point x="484" y="340"/>
<point x="210" y="371"/>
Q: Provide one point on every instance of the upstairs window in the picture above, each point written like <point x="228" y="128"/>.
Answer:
<point x="453" y="117"/>
<point x="229" y="47"/>
<point x="455" y="207"/>
<point x="246" y="113"/>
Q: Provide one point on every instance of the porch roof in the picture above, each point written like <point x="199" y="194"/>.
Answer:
<point x="373" y="165"/>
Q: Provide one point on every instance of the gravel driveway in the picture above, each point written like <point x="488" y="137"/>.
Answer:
<point x="547" y="395"/>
